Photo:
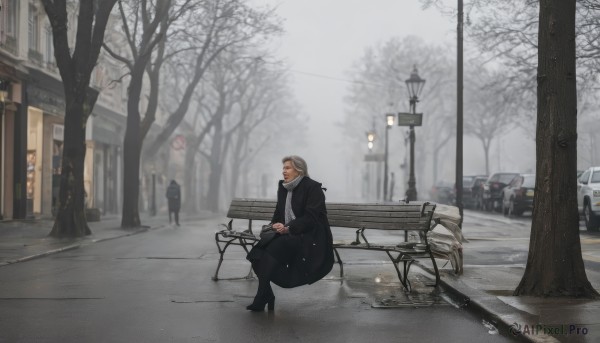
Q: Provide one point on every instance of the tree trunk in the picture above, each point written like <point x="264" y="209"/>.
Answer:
<point x="132" y="146"/>
<point x="191" y="200"/>
<point x="554" y="265"/>
<point x="75" y="65"/>
<point x="236" y="163"/>
<point x="131" y="176"/>
<point x="190" y="155"/>
<point x="70" y="218"/>
<point x="214" y="179"/>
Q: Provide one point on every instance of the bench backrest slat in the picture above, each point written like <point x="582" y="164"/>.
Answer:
<point x="384" y="216"/>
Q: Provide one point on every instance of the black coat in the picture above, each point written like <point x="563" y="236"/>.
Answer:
<point x="315" y="260"/>
<point x="174" y="196"/>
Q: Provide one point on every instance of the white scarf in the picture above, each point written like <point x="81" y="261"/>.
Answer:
<point x="289" y="214"/>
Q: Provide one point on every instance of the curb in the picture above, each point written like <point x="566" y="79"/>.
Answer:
<point x="79" y="245"/>
<point x="500" y="315"/>
<point x="46" y="253"/>
<point x="493" y="310"/>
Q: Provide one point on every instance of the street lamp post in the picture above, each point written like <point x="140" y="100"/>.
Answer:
<point x="414" y="85"/>
<point x="370" y="144"/>
<point x="389" y="119"/>
<point x="459" y="112"/>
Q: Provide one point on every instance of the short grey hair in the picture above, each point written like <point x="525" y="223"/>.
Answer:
<point x="298" y="163"/>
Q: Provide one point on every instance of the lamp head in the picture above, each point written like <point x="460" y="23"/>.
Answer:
<point x="370" y="136"/>
<point x="414" y="84"/>
<point x="389" y="119"/>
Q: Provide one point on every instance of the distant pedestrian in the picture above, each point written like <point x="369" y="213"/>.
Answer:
<point x="174" y="198"/>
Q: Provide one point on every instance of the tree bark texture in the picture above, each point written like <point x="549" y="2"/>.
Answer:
<point x="75" y="71"/>
<point x="132" y="146"/>
<point x="555" y="265"/>
<point x="70" y="218"/>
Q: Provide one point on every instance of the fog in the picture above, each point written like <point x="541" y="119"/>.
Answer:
<point x="322" y="40"/>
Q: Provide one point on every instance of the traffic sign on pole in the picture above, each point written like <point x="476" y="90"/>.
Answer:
<point x="374" y="158"/>
<point x="410" y="119"/>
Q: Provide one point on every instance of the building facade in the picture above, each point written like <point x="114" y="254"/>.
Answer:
<point x="33" y="113"/>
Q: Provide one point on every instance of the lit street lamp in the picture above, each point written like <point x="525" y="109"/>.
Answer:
<point x="389" y="119"/>
<point x="414" y="85"/>
<point x="370" y="139"/>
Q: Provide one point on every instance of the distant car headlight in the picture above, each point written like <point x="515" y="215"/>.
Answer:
<point x="597" y="193"/>
<point x="530" y="192"/>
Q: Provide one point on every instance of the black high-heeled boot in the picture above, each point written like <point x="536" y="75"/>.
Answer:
<point x="264" y="294"/>
<point x="259" y="305"/>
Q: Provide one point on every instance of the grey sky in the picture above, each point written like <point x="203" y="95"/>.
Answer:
<point x="324" y="37"/>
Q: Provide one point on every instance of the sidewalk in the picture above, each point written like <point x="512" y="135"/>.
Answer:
<point x="23" y="240"/>
<point x="487" y="290"/>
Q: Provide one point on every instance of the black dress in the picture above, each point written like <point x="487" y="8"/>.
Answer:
<point x="306" y="253"/>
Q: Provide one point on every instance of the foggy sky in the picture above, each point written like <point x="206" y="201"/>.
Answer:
<point x="325" y="37"/>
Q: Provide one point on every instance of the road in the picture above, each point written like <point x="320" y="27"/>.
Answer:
<point x="497" y="239"/>
<point x="156" y="287"/>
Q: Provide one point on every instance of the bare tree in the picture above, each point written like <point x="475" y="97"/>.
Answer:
<point x="75" y="70"/>
<point x="379" y="87"/>
<point x="155" y="32"/>
<point x="225" y="79"/>
<point x="262" y="100"/>
<point x="219" y="25"/>
<point x="491" y="111"/>
<point x="507" y="32"/>
<point x="145" y="25"/>
<point x="555" y="265"/>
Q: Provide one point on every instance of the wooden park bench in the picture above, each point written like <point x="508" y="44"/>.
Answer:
<point x="400" y="218"/>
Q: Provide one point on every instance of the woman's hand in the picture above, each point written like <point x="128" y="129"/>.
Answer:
<point x="280" y="228"/>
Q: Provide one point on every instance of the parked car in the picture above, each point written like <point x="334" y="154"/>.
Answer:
<point x="443" y="192"/>
<point x="517" y="196"/>
<point x="588" y="198"/>
<point x="492" y="190"/>
<point x="473" y="190"/>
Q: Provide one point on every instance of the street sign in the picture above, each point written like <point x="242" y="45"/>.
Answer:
<point x="178" y="142"/>
<point x="410" y="119"/>
<point x="374" y="158"/>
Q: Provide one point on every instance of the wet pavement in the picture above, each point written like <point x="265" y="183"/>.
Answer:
<point x="157" y="285"/>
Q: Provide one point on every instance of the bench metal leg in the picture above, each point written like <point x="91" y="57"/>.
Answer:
<point x="407" y="284"/>
<point x="250" y="275"/>
<point x="435" y="268"/>
<point x="221" y="253"/>
<point x="403" y="277"/>
<point x="339" y="260"/>
<point x="233" y="241"/>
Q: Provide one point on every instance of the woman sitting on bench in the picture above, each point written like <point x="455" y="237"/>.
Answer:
<point x="302" y="252"/>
